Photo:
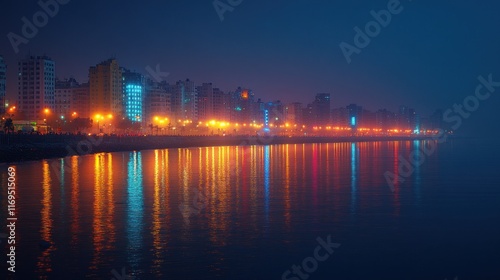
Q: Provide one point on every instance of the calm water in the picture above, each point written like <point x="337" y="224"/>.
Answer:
<point x="254" y="212"/>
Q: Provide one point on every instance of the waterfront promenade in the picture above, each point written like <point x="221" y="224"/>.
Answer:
<point x="22" y="147"/>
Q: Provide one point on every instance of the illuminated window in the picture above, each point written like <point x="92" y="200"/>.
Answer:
<point x="133" y="106"/>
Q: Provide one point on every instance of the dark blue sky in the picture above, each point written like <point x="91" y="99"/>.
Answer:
<point x="428" y="57"/>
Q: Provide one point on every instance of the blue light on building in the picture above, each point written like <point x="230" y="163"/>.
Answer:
<point x="417" y="130"/>
<point x="133" y="102"/>
<point x="353" y="121"/>
<point x="266" y="121"/>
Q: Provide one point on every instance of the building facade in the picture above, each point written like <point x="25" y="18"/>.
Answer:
<point x="340" y="117"/>
<point x="3" y="83"/>
<point x="63" y="101"/>
<point x="72" y="99"/>
<point x="36" y="87"/>
<point x="355" y="115"/>
<point x="81" y="101"/>
<point x="105" y="86"/>
<point x="293" y="113"/>
<point x="184" y="99"/>
<point x="321" y="109"/>
<point x="205" y="102"/>
<point x="220" y="105"/>
<point x="133" y="95"/>
<point x="157" y="102"/>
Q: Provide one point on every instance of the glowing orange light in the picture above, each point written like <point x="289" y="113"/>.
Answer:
<point x="244" y="95"/>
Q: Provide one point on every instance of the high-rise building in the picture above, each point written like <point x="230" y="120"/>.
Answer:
<point x="72" y="99"/>
<point x="308" y="117"/>
<point x="275" y="113"/>
<point x="355" y="115"/>
<point x="205" y="102"/>
<point x="133" y="95"/>
<point x="220" y="105"/>
<point x="340" y="117"/>
<point x="81" y="101"/>
<point x="385" y="119"/>
<point x="241" y="106"/>
<point x="369" y="119"/>
<point x="407" y="118"/>
<point x="36" y="87"/>
<point x="63" y="97"/>
<point x="293" y="113"/>
<point x="157" y="102"/>
<point x="105" y="85"/>
<point x="321" y="109"/>
<point x="3" y="82"/>
<point x="184" y="101"/>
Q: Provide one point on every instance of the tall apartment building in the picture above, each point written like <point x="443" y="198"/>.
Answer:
<point x="106" y="88"/>
<point x="385" y="119"/>
<point x="275" y="113"/>
<point x="241" y="105"/>
<point x="408" y="118"/>
<point x="157" y="101"/>
<point x="81" y="101"/>
<point x="3" y="82"/>
<point x="70" y="98"/>
<point x="293" y="113"/>
<point x="184" y="99"/>
<point x="220" y="105"/>
<point x="63" y="97"/>
<point x="133" y="95"/>
<point x="355" y="115"/>
<point x="340" y="117"/>
<point x="321" y="109"/>
<point x="308" y="116"/>
<point x="205" y="102"/>
<point x="36" y="86"/>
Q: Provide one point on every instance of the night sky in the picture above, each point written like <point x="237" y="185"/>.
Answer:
<point x="429" y="56"/>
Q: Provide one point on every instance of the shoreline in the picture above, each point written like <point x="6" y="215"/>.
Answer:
<point x="20" y="148"/>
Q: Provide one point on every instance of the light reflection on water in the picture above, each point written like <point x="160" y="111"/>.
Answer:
<point x="245" y="206"/>
<point x="135" y="210"/>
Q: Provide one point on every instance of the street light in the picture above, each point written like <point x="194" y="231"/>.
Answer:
<point x="11" y="111"/>
<point x="98" y="117"/>
<point x="110" y="117"/>
<point x="46" y="111"/>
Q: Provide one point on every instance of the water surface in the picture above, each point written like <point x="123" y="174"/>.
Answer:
<point x="253" y="212"/>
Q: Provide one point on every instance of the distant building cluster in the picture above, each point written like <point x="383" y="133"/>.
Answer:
<point x="121" y="93"/>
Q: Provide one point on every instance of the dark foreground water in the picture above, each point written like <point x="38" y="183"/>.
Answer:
<point x="313" y="211"/>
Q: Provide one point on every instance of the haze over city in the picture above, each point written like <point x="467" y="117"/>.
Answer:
<point x="249" y="139"/>
<point x="282" y="50"/>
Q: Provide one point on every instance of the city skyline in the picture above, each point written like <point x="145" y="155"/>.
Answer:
<point x="287" y="50"/>
<point x="113" y="90"/>
<point x="309" y="97"/>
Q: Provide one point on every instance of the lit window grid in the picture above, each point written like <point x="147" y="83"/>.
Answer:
<point x="133" y="101"/>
